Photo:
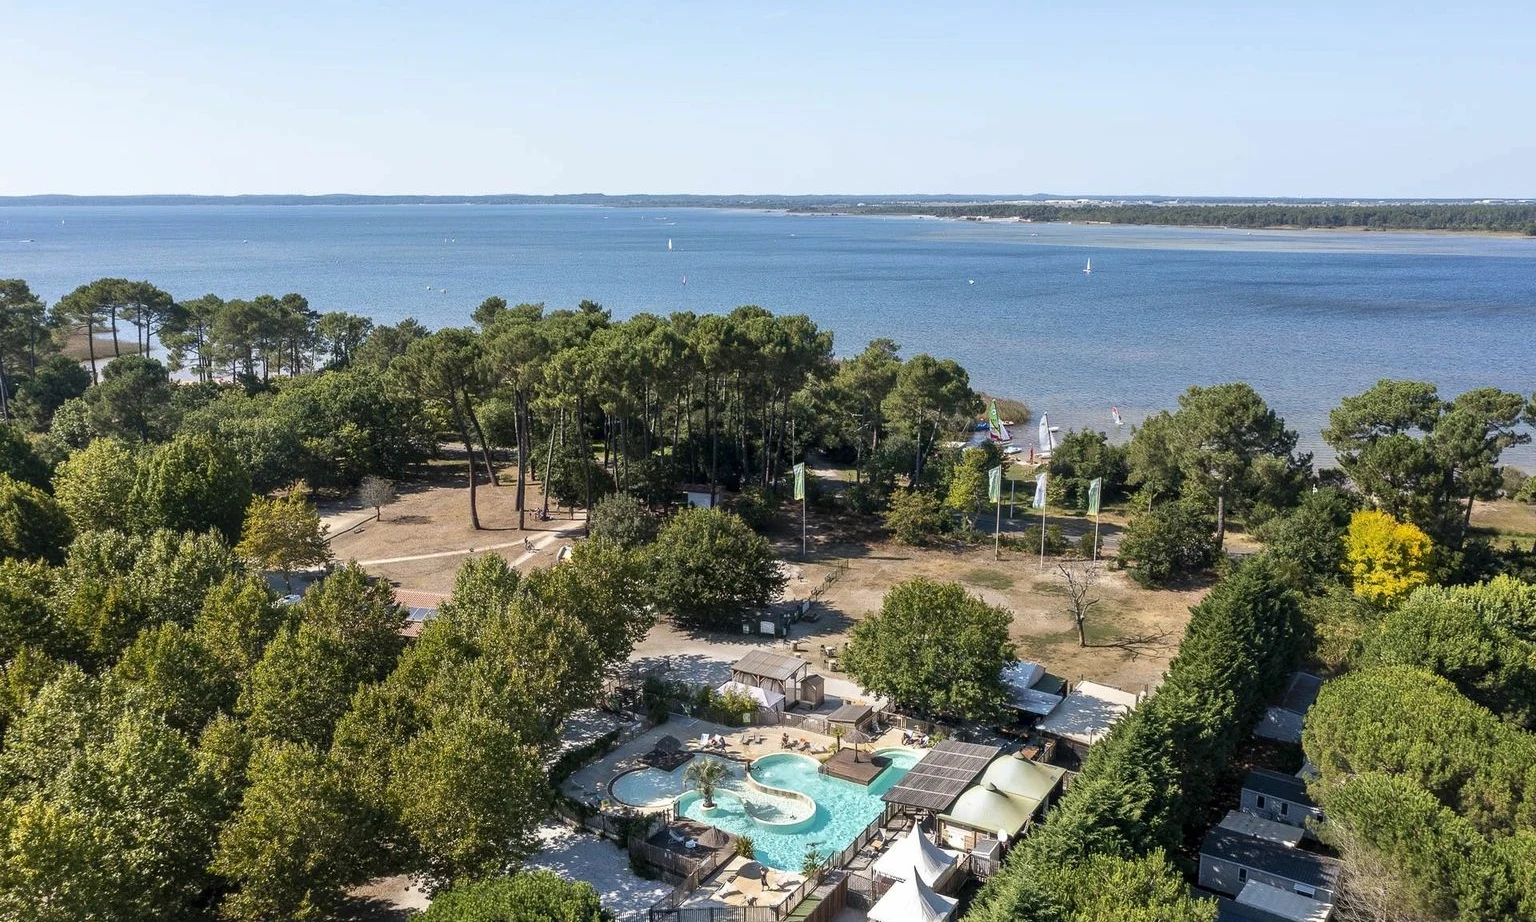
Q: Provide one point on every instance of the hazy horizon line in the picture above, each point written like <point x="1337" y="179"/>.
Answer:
<point x="828" y="197"/>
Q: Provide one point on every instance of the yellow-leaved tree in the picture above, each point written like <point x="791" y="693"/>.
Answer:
<point x="1385" y="558"/>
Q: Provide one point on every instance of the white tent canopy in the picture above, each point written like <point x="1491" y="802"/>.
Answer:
<point x="911" y="900"/>
<point x="767" y="700"/>
<point x="915" y="850"/>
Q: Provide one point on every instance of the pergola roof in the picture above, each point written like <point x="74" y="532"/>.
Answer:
<point x="770" y="665"/>
<point x="765" y="699"/>
<point x="944" y="771"/>
<point x="850" y="714"/>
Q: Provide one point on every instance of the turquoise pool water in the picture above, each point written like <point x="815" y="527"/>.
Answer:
<point x="654" y="789"/>
<point x="843" y="809"/>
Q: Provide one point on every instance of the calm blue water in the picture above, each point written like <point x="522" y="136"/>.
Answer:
<point x="843" y="809"/>
<point x="1304" y="317"/>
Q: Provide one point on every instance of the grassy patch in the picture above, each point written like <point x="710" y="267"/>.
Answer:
<point x="1506" y="517"/>
<point x="990" y="579"/>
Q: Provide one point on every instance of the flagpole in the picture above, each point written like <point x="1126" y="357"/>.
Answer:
<point x="997" y="523"/>
<point x="1096" y="537"/>
<point x="1011" y="484"/>
<point x="1042" y="537"/>
<point x="802" y="508"/>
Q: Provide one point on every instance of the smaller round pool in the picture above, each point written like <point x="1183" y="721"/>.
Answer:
<point x="652" y="788"/>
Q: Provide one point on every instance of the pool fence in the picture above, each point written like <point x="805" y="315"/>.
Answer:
<point x="671" y="908"/>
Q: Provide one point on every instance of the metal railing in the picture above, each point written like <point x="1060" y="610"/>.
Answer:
<point x="670" y="908"/>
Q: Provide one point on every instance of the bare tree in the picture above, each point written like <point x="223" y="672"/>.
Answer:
<point x="1080" y="600"/>
<point x="376" y="492"/>
<point x="1370" y="888"/>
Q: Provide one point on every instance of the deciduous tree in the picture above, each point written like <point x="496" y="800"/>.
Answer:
<point x="32" y="526"/>
<point x="289" y="849"/>
<point x="933" y="648"/>
<point x="1386" y="559"/>
<point x="94" y="483"/>
<point x="710" y="569"/>
<point x="530" y="896"/>
<point x="284" y="534"/>
<point x="191" y="484"/>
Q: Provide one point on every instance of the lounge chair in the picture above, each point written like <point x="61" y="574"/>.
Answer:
<point x="818" y="749"/>
<point x="703" y="741"/>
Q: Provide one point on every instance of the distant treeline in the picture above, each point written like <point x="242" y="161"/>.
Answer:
<point x="1512" y="218"/>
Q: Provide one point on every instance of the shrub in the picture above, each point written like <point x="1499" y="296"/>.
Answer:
<point x="1173" y="541"/>
<point x="916" y="517"/>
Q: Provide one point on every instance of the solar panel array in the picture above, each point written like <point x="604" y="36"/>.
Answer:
<point x="944" y="773"/>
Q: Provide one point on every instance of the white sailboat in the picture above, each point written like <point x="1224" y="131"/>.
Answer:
<point x="669" y="244"/>
<point x="1088" y="269"/>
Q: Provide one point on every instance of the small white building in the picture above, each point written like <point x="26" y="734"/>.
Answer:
<point x="700" y="496"/>
<point x="1086" y="714"/>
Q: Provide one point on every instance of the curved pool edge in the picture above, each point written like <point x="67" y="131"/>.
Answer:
<point x="789" y="827"/>
<point x="652" y="807"/>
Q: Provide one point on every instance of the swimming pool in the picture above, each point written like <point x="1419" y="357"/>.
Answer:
<point x="654" y="789"/>
<point x="842" y="808"/>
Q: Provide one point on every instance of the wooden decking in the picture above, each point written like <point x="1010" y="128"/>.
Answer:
<point x="852" y="765"/>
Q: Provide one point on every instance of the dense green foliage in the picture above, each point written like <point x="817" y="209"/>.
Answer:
<point x="1429" y="785"/>
<point x="1423" y="460"/>
<point x="623" y="519"/>
<point x="533" y="896"/>
<point x="709" y="569"/>
<point x="1172" y="541"/>
<point x="32" y="525"/>
<point x="1083" y="456"/>
<point x="933" y="648"/>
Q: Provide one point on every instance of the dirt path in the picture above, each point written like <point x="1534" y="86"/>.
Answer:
<point x="419" y="541"/>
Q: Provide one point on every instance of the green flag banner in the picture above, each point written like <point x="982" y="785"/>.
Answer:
<point x="799" y="481"/>
<point x="995" y="484"/>
<point x="1094" y="490"/>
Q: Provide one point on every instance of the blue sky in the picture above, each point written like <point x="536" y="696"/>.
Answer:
<point x="1299" y="98"/>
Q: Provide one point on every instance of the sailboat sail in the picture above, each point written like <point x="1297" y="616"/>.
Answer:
<point x="1045" y="434"/>
<point x="669" y="244"/>
<point x="996" y="430"/>
<point x="1088" y="269"/>
<point x="1115" y="413"/>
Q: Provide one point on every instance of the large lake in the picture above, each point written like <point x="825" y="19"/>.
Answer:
<point x="1305" y="317"/>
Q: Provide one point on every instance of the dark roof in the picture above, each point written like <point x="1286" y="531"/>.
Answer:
<point x="1301" y="693"/>
<point x="770" y="665"/>
<point x="850" y="714"/>
<point x="1294" y="864"/>
<point x="1276" y="784"/>
<point x="941" y="775"/>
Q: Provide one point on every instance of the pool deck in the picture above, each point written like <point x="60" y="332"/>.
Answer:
<point x="852" y="765"/>
<point x="742" y="744"/>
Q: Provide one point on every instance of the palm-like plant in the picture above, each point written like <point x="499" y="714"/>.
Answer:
<point x="705" y="774"/>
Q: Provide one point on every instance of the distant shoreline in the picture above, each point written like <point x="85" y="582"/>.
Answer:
<point x="1295" y="228"/>
<point x="1493" y="218"/>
